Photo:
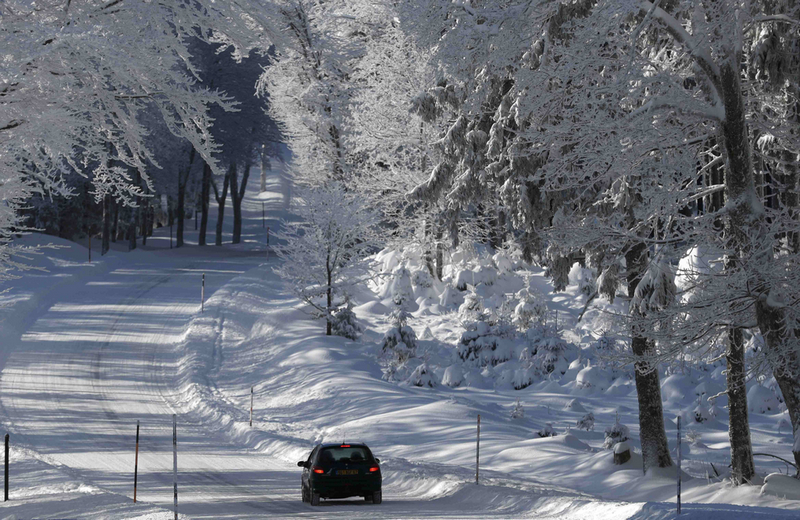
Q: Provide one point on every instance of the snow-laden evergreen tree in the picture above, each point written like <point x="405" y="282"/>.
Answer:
<point x="322" y="249"/>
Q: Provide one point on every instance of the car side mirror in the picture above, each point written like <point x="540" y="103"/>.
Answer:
<point x="301" y="464"/>
<point x="377" y="460"/>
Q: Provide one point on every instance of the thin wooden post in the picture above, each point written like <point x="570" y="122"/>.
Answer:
<point x="478" y="452"/>
<point x="175" y="463"/>
<point x="203" y="293"/>
<point x="136" y="464"/>
<point x="679" y="465"/>
<point x="251" y="406"/>
<point x="5" y="499"/>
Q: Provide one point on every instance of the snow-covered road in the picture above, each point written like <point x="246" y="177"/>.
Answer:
<point x="89" y="349"/>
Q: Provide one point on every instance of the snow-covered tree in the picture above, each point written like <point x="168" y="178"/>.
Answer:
<point x="322" y="249"/>
<point x="77" y="74"/>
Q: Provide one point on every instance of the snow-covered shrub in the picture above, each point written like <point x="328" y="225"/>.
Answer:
<point x="583" y="278"/>
<point x="422" y="376"/>
<point x="462" y="279"/>
<point x="701" y="413"/>
<point x="449" y="298"/>
<point x="615" y="433"/>
<point x="550" y="353"/>
<point x="530" y="311"/>
<point x="483" y="344"/>
<point x="547" y="431"/>
<point x="503" y="262"/>
<point x="400" y="341"/>
<point x="453" y="376"/>
<point x="344" y="322"/>
<point x="400" y="289"/>
<point x="518" y="412"/>
<point x="608" y="282"/>
<point x="693" y="436"/>
<point x="557" y="269"/>
<point x="485" y="275"/>
<point x="422" y="278"/>
<point x="471" y="308"/>
<point x="586" y="422"/>
<point x="604" y="349"/>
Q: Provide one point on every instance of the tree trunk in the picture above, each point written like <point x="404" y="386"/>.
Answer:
<point x="237" y="195"/>
<point x="205" y="194"/>
<point x="742" y="467"/>
<point x="655" y="449"/>
<point x="265" y="167"/>
<point x="426" y="242"/>
<point x="144" y="210"/>
<point x="439" y="255"/>
<point x="329" y="292"/>
<point x="106" y="225"/>
<point x="181" y="214"/>
<point x="785" y="362"/>
<point x="221" y="200"/>
<point x="115" y="221"/>
<point x="746" y="219"/>
<point x="132" y="229"/>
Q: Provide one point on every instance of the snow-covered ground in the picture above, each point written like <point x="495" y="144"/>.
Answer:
<point x="89" y="349"/>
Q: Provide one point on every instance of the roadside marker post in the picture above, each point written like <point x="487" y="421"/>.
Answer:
<point x="136" y="464"/>
<point x="267" y="235"/>
<point x="679" y="465"/>
<point x="90" y="248"/>
<point x="5" y="499"/>
<point x="251" y="406"/>
<point x="203" y="293"/>
<point x="478" y="452"/>
<point x="263" y="215"/>
<point x="175" y="462"/>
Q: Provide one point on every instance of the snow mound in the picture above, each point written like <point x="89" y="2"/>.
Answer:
<point x="575" y="406"/>
<point x="783" y="486"/>
<point x="593" y="377"/>
<point x="761" y="399"/>
<point x="453" y="376"/>
<point x="374" y="307"/>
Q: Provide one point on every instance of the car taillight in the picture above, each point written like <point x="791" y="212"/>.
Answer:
<point x="373" y="469"/>
<point x="318" y="470"/>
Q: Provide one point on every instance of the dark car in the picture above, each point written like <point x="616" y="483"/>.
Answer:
<point x="340" y="471"/>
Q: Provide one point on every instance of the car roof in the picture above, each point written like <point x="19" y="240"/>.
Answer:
<point x="339" y="444"/>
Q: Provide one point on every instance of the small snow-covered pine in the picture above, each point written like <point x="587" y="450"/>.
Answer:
<point x="586" y="422"/>
<point x="615" y="433"/>
<point x="518" y="412"/>
<point x="547" y="431"/>
<point x="344" y="322"/>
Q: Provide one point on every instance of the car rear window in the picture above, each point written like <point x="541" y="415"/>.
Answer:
<point x="349" y="454"/>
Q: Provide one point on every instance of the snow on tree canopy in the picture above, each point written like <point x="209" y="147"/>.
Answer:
<point x="656" y="290"/>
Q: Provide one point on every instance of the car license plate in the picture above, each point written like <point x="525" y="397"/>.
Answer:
<point x="347" y="472"/>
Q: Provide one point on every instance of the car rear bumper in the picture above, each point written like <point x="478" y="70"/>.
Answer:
<point x="332" y="487"/>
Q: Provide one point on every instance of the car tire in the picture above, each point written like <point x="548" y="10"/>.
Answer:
<point x="303" y="494"/>
<point x="377" y="497"/>
<point x="314" y="499"/>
